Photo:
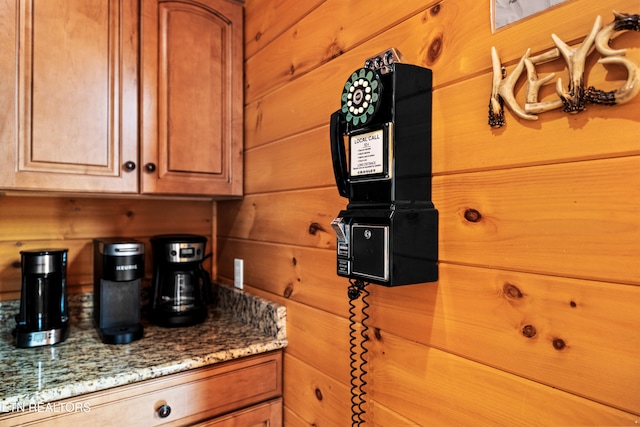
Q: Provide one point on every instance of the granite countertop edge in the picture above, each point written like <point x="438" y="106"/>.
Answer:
<point x="242" y="324"/>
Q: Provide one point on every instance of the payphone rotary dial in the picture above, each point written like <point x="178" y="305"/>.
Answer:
<point x="361" y="96"/>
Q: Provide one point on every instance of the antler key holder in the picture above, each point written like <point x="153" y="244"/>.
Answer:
<point x="575" y="96"/>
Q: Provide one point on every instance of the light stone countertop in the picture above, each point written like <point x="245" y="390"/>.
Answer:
<point x="241" y="325"/>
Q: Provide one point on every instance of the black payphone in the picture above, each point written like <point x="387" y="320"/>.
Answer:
<point x="388" y="234"/>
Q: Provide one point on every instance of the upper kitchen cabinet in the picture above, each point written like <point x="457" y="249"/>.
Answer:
<point x="191" y="97"/>
<point x="122" y="96"/>
<point x="68" y="95"/>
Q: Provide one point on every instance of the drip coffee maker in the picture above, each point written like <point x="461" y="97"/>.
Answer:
<point x="181" y="287"/>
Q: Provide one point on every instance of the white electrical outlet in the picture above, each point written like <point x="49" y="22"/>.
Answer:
<point x="238" y="273"/>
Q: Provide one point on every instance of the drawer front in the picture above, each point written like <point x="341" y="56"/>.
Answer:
<point x="208" y="397"/>
<point x="190" y="398"/>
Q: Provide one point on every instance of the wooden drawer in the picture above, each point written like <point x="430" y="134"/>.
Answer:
<point x="192" y="396"/>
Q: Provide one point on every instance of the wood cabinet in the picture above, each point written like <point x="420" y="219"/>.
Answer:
<point x="192" y="90"/>
<point x="121" y="97"/>
<point x="242" y="392"/>
<point x="68" y="95"/>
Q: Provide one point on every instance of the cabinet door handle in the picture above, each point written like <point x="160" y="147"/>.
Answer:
<point x="150" y="167"/>
<point x="164" y="411"/>
<point x="130" y="166"/>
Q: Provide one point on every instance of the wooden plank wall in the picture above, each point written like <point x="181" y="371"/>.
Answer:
<point x="28" y="223"/>
<point x="534" y="320"/>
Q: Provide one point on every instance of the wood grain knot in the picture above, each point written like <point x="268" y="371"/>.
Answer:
<point x="511" y="291"/>
<point x="294" y="261"/>
<point x="318" y="394"/>
<point x="334" y="50"/>
<point x="292" y="69"/>
<point x="559" y="344"/>
<point x="472" y="215"/>
<point x="377" y="334"/>
<point x="314" y="227"/>
<point x="288" y="291"/>
<point x="16" y="264"/>
<point x="435" y="10"/>
<point x="529" y="331"/>
<point x="130" y="214"/>
<point x="435" y="49"/>
<point x="573" y="304"/>
<point x="258" y="36"/>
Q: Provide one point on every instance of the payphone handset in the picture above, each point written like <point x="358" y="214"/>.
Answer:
<point x="388" y="234"/>
<point x="363" y="120"/>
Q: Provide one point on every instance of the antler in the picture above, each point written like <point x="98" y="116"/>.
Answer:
<point x="621" y="21"/>
<point x="624" y="93"/>
<point x="502" y="90"/>
<point x="496" y="104"/>
<point x="534" y="84"/>
<point x="574" y="98"/>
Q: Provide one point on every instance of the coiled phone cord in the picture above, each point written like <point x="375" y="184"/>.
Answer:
<point x="358" y="363"/>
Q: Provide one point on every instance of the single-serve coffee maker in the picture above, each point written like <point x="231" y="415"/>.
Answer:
<point x="181" y="287"/>
<point x="118" y="269"/>
<point x="43" y="318"/>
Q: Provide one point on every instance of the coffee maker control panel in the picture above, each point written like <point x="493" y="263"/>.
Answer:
<point x="185" y="252"/>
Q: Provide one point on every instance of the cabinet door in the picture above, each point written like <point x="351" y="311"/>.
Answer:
<point x="68" y="117"/>
<point x="192" y="97"/>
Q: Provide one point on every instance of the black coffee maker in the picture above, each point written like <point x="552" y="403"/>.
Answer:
<point x="118" y="268"/>
<point x="181" y="287"/>
<point x="43" y="318"/>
